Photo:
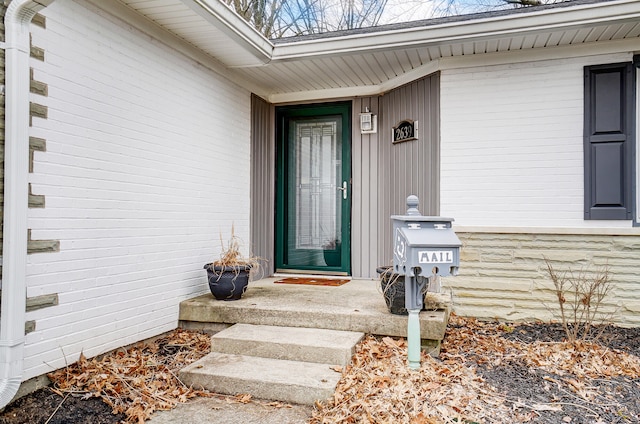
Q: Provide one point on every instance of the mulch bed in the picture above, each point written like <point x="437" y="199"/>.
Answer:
<point x="493" y="373"/>
<point x="126" y="385"/>
<point x="45" y="406"/>
<point x="486" y="373"/>
<point x="553" y="381"/>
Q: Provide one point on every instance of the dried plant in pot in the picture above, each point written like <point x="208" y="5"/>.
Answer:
<point x="392" y="286"/>
<point x="228" y="276"/>
<point x="393" y="290"/>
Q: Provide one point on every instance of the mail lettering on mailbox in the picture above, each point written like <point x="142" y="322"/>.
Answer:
<point x="435" y="256"/>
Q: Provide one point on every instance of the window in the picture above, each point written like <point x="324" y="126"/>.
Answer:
<point x="608" y="141"/>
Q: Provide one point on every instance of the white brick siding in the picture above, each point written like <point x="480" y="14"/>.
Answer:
<point x="512" y="141"/>
<point x="147" y="162"/>
<point x="512" y="177"/>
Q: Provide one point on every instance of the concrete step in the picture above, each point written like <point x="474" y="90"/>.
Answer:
<point x="263" y="378"/>
<point x="356" y="306"/>
<point x="288" y="364"/>
<point x="289" y="343"/>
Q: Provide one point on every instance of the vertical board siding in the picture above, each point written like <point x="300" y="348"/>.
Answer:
<point x="262" y="182"/>
<point x="146" y="168"/>
<point x="504" y="276"/>
<point x="364" y="171"/>
<point x="512" y="143"/>
<point x="383" y="175"/>
<point x="411" y="167"/>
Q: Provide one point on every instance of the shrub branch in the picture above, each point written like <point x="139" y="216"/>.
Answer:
<point x="580" y="298"/>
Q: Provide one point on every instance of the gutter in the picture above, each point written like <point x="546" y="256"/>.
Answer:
<point x="14" y="260"/>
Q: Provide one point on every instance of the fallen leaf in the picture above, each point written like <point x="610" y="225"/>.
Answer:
<point x="243" y="398"/>
<point x="546" y="407"/>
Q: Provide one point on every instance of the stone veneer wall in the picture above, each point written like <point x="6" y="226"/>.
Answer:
<point x="503" y="275"/>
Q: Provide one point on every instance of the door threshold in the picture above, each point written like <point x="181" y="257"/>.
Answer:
<point x="303" y="273"/>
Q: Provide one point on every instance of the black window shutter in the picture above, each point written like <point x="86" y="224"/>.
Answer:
<point x="608" y="141"/>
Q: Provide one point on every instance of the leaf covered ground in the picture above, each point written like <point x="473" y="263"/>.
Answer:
<point x="486" y="373"/>
<point x="132" y="383"/>
<point x="492" y="373"/>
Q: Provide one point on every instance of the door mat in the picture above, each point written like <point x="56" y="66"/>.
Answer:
<point x="313" y="281"/>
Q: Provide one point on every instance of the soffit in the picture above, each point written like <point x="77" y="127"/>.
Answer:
<point x="209" y="26"/>
<point x="374" y="60"/>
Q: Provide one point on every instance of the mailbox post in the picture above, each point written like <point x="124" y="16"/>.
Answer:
<point x="422" y="246"/>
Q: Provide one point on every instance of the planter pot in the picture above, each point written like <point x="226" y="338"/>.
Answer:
<point x="393" y="290"/>
<point x="227" y="283"/>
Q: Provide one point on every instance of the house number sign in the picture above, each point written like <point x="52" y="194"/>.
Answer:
<point x="406" y="130"/>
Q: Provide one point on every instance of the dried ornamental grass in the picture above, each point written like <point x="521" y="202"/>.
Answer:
<point x="231" y="255"/>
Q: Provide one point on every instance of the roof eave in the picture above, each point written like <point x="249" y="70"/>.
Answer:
<point x="237" y="29"/>
<point x="497" y="58"/>
<point x="463" y="31"/>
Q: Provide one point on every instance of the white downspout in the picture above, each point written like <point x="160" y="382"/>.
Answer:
<point x="16" y="170"/>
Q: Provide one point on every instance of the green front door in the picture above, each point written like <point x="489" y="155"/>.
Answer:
<point x="313" y="209"/>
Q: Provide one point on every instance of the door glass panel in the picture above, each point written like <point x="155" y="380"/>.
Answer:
<point x="313" y="189"/>
<point x="315" y="192"/>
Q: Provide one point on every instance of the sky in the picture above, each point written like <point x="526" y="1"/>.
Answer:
<point x="406" y="10"/>
<point x="412" y="10"/>
<point x="397" y="11"/>
<point x="330" y="14"/>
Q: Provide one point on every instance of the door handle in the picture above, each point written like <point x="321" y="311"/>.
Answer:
<point x="344" y="189"/>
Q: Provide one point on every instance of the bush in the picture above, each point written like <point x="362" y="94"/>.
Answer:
<point x="580" y="298"/>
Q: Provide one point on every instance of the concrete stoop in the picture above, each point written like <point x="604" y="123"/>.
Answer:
<point x="288" y="364"/>
<point x="356" y="306"/>
<point x="282" y="342"/>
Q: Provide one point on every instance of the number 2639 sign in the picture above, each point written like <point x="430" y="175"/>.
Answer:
<point x="405" y="131"/>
